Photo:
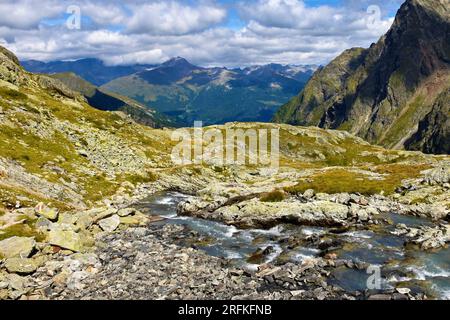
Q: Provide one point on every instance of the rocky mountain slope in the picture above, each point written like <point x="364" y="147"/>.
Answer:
<point x="56" y="146"/>
<point x="393" y="94"/>
<point x="213" y="95"/>
<point x="108" y="101"/>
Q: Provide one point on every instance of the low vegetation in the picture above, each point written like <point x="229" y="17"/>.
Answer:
<point x="342" y="180"/>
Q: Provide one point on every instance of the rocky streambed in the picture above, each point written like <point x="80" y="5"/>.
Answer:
<point x="344" y="254"/>
<point x="188" y="257"/>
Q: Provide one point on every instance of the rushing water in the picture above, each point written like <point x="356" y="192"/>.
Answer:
<point x="412" y="268"/>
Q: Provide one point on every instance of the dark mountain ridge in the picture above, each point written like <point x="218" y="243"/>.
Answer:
<point x="384" y="94"/>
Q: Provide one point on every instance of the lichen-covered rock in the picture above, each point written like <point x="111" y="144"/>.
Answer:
<point x="254" y="213"/>
<point x="46" y="212"/>
<point x="110" y="224"/>
<point x="138" y="219"/>
<point x="21" y="265"/>
<point x="426" y="237"/>
<point x="65" y="237"/>
<point x="126" y="212"/>
<point x="17" y="247"/>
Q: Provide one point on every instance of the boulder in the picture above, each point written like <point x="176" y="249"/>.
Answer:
<point x="65" y="238"/>
<point x="21" y="265"/>
<point x="43" y="224"/>
<point x="105" y="214"/>
<point x="17" y="247"/>
<point x="44" y="211"/>
<point x="84" y="220"/>
<point x="309" y="194"/>
<point x="126" y="212"/>
<point x="254" y="213"/>
<point x="140" y="219"/>
<point x="109" y="224"/>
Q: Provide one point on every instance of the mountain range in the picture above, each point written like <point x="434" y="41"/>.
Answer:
<point x="186" y="92"/>
<point x="108" y="101"/>
<point x="93" y="70"/>
<point x="395" y="93"/>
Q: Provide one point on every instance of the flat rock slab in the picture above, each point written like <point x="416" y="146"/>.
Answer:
<point x="22" y="266"/>
<point x="67" y="239"/>
<point x="17" y="247"/>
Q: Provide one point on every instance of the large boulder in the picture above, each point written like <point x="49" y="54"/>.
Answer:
<point x="21" y="265"/>
<point x="254" y="213"/>
<point x="110" y="224"/>
<point x="17" y="247"/>
<point x="65" y="238"/>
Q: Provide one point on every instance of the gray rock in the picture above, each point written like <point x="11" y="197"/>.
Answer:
<point x="20" y="265"/>
<point x="109" y="224"/>
<point x="254" y="213"/>
<point x="105" y="214"/>
<point x="17" y="247"/>
<point x="43" y="224"/>
<point x="126" y="212"/>
<point x="309" y="194"/>
<point x="66" y="238"/>
<point x="47" y="212"/>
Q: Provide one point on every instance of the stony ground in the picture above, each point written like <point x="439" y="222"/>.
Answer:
<point x="144" y="263"/>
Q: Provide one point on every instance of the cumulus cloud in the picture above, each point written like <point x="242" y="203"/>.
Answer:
<point x="26" y="14"/>
<point x="169" y="17"/>
<point x="322" y="20"/>
<point x="104" y="13"/>
<point x="143" y="31"/>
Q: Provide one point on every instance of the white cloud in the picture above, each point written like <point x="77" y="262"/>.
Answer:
<point x="170" y="17"/>
<point x="26" y="14"/>
<point x="104" y="14"/>
<point x="138" y="57"/>
<point x="143" y="31"/>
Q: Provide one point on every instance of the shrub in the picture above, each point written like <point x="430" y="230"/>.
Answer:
<point x="274" y="196"/>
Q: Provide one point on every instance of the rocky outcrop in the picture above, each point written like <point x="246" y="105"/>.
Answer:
<point x="433" y="135"/>
<point x="256" y="214"/>
<point x="427" y="238"/>
<point x="389" y="93"/>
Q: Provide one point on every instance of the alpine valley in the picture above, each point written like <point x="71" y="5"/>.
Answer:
<point x="187" y="93"/>
<point x="92" y="205"/>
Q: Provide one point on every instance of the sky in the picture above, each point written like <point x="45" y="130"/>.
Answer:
<point x="206" y="32"/>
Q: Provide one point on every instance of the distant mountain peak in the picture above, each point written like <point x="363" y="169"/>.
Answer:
<point x="177" y="62"/>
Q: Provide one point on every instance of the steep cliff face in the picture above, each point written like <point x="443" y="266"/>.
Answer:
<point x="433" y="135"/>
<point x="385" y="93"/>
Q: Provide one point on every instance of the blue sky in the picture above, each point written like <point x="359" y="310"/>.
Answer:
<point x="207" y="32"/>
